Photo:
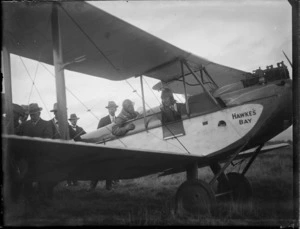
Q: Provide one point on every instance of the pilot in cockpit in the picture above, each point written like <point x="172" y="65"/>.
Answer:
<point x="121" y="128"/>
<point x="170" y="110"/>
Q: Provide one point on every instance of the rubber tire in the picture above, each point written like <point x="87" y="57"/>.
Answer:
<point x="241" y="188"/>
<point x="194" y="197"/>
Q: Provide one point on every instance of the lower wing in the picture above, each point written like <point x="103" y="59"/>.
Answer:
<point x="58" y="160"/>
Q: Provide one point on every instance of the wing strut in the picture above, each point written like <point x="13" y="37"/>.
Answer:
<point x="215" y="167"/>
<point x="252" y="159"/>
<point x="204" y="69"/>
<point x="199" y="81"/>
<point x="9" y="128"/>
<point x="185" y="93"/>
<point x="143" y="99"/>
<point x="59" y="73"/>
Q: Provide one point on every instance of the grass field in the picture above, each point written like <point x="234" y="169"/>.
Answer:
<point x="150" y="200"/>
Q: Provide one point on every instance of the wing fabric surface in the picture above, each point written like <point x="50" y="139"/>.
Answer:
<point x="57" y="159"/>
<point x="107" y="46"/>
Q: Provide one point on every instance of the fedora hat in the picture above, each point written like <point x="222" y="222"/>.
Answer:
<point x="73" y="116"/>
<point x="25" y="107"/>
<point x="34" y="108"/>
<point x="166" y="92"/>
<point x="111" y="104"/>
<point x="54" y="107"/>
<point x="18" y="109"/>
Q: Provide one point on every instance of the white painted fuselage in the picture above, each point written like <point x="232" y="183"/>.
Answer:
<point x="204" y="134"/>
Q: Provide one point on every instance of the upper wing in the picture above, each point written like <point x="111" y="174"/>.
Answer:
<point x="57" y="160"/>
<point x="99" y="44"/>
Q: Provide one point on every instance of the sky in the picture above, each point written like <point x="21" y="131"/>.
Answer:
<point x="240" y="34"/>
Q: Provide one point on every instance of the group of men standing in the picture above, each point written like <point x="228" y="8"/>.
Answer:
<point x="37" y="127"/>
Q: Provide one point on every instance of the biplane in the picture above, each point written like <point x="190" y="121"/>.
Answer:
<point x="229" y="114"/>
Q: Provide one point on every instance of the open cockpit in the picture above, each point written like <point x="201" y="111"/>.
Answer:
<point x="211" y="98"/>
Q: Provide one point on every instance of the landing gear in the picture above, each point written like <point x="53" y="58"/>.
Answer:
<point x="196" y="197"/>
<point x="240" y="189"/>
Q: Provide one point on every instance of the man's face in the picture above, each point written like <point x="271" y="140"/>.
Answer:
<point x="167" y="101"/>
<point x="24" y="118"/>
<point x="73" y="122"/>
<point x="35" y="116"/>
<point x="130" y="108"/>
<point x="112" y="111"/>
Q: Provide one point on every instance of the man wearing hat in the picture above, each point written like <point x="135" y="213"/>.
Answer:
<point x="110" y="118"/>
<point x="18" y="113"/>
<point x="54" y="125"/>
<point x="78" y="132"/>
<point x="35" y="127"/>
<point x="26" y="114"/>
<point x="112" y="108"/>
<point x="54" y="122"/>
<point x="170" y="109"/>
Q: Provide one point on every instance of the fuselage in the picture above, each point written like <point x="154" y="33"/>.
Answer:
<point x="251" y="114"/>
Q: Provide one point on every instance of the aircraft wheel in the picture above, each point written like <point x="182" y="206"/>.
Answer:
<point x="240" y="185"/>
<point x="194" y="197"/>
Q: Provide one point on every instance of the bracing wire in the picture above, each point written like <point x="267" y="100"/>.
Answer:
<point x="152" y="91"/>
<point x="38" y="92"/>
<point x="177" y="97"/>
<point x="135" y="91"/>
<point x="35" y="87"/>
<point x="37" y="66"/>
<point x="168" y="142"/>
<point x="88" y="109"/>
<point x="33" y="82"/>
<point x="107" y="59"/>
<point x="90" y="39"/>
<point x="153" y="112"/>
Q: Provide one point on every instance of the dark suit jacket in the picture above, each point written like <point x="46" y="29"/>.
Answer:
<point x="78" y="132"/>
<point x="42" y="129"/>
<point x="104" y="122"/>
<point x="56" y="134"/>
<point x="168" y="115"/>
